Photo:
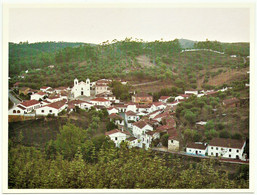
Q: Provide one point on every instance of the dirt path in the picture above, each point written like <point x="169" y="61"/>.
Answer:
<point x="147" y="83"/>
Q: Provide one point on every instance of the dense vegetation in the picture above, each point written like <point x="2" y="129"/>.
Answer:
<point x="133" y="60"/>
<point x="75" y="161"/>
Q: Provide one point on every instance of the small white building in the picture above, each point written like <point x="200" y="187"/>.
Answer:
<point x="130" y="117"/>
<point x="53" y="99"/>
<point x="181" y="97"/>
<point x="116" y="136"/>
<point x="39" y="95"/>
<point x="173" y="143"/>
<point x="132" y="142"/>
<point x="101" y="102"/>
<point x="164" y="99"/>
<point x="45" y="88"/>
<point x="140" y="128"/>
<point x="196" y="148"/>
<point x="226" y="148"/>
<point x="191" y="92"/>
<point x="112" y="110"/>
<point x="158" y="106"/>
<point x="131" y="107"/>
<point x="81" y="88"/>
<point x="53" y="108"/>
<point x="30" y="105"/>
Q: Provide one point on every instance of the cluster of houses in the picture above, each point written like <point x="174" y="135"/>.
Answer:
<point x="141" y="122"/>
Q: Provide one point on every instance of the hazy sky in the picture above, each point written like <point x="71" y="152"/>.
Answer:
<point x="95" y="25"/>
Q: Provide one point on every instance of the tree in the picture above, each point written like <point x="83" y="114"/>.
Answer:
<point x="224" y="134"/>
<point x="69" y="139"/>
<point x="164" y="140"/>
<point x="190" y="116"/>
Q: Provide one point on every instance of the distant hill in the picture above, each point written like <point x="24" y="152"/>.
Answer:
<point x="186" y="43"/>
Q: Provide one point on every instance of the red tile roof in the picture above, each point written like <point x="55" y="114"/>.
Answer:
<point x="158" y="103"/>
<point x="196" y="146"/>
<point x="100" y="100"/>
<point x="164" y="114"/>
<point x="113" y="115"/>
<point x="131" y="139"/>
<point x="130" y="113"/>
<point x="21" y="107"/>
<point x="113" y="131"/>
<point x="212" y="92"/>
<point x="164" y="127"/>
<point x="29" y="103"/>
<point x="44" y="87"/>
<point x="229" y="143"/>
<point x="141" y="124"/>
<point x="41" y="93"/>
<point x="57" y="105"/>
<point x="164" y="97"/>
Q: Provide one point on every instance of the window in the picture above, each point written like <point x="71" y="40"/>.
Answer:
<point x="116" y="138"/>
<point x="221" y="154"/>
<point x="199" y="151"/>
<point x="212" y="153"/>
<point x="42" y="111"/>
<point x="14" y="111"/>
<point x="217" y="148"/>
<point x="81" y="88"/>
<point x="18" y="111"/>
<point x="211" y="147"/>
<point x="237" y="151"/>
<point x="229" y="155"/>
<point x="229" y="150"/>
<point x="50" y="111"/>
<point x="171" y="141"/>
<point x="189" y="150"/>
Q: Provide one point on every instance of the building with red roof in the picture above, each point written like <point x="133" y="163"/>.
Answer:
<point x="39" y="95"/>
<point x="164" y="99"/>
<point x="101" y="102"/>
<point x="53" y="108"/>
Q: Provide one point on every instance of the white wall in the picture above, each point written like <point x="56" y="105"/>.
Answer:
<point x="118" y="138"/>
<point x="44" y="111"/>
<point x="198" y="151"/>
<point x="225" y="152"/>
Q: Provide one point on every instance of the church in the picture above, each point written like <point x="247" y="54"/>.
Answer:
<point x="81" y="88"/>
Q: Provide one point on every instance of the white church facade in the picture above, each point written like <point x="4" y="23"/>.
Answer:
<point x="81" y="88"/>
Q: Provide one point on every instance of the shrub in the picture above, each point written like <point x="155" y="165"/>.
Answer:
<point x="164" y="140"/>
<point x="236" y="136"/>
<point x="224" y="134"/>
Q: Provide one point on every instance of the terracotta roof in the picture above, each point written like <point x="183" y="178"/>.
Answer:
<point x="111" y="108"/>
<point x="60" y="88"/>
<point x="130" y="113"/>
<point x="113" y="131"/>
<point x="196" y="146"/>
<point x="142" y="95"/>
<point x="170" y="121"/>
<point x="57" y="105"/>
<point x="54" y="97"/>
<point x="21" y="107"/>
<point x="46" y="101"/>
<point x="157" y="103"/>
<point x="164" y="127"/>
<point x="44" y="87"/>
<point x="151" y="132"/>
<point x="230" y="101"/>
<point x="164" y="97"/>
<point x="29" y="103"/>
<point x="131" y="139"/>
<point x="174" y="135"/>
<point x="101" y="85"/>
<point x="100" y="100"/>
<point x="41" y="93"/>
<point x="144" y="106"/>
<point x="161" y="115"/>
<point x="113" y="115"/>
<point x="229" y="143"/>
<point x="141" y="124"/>
<point x="184" y="95"/>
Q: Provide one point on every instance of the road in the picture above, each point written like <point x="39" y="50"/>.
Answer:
<point x="13" y="98"/>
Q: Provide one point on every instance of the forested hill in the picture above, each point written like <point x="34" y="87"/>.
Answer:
<point x="130" y="59"/>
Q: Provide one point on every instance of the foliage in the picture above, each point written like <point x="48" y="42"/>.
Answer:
<point x="164" y="140"/>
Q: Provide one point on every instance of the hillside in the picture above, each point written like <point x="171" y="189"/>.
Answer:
<point x="132" y="60"/>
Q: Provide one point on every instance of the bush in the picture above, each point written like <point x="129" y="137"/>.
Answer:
<point x="224" y="134"/>
<point x="164" y="140"/>
<point x="236" y="136"/>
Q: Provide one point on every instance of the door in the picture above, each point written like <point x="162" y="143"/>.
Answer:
<point x="196" y="152"/>
<point x="82" y="93"/>
<point x="217" y="154"/>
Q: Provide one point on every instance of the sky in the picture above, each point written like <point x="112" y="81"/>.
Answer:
<point x="96" y="25"/>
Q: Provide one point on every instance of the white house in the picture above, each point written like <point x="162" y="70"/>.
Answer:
<point x="131" y="107"/>
<point x="181" y="97"/>
<point x="45" y="88"/>
<point x="101" y="102"/>
<point x="29" y="105"/>
<point x="121" y="107"/>
<point x="81" y="88"/>
<point x="79" y="103"/>
<point x="158" y="106"/>
<point x="116" y="136"/>
<point x="196" y="148"/>
<point x="53" y="99"/>
<point x="140" y="128"/>
<point x="17" y="110"/>
<point x="173" y="142"/>
<point x="144" y="108"/>
<point x="164" y="99"/>
<point x="131" y="116"/>
<point x="39" y="95"/>
<point x="160" y="116"/>
<point x="146" y="140"/>
<point x="107" y="95"/>
<point x="226" y="148"/>
<point x="53" y="108"/>
<point x="192" y="92"/>
<point x="132" y="142"/>
<point x="118" y="120"/>
<point x="112" y="110"/>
